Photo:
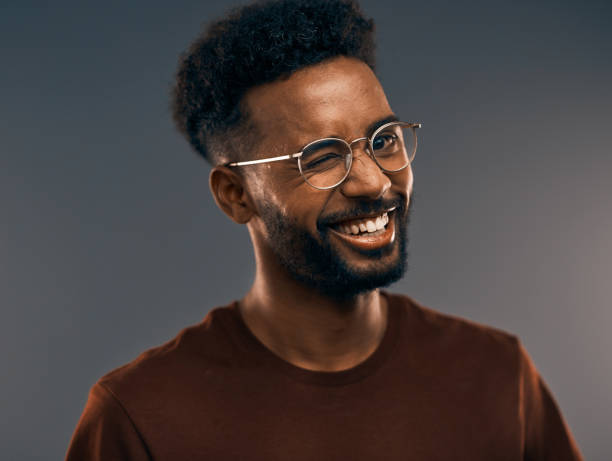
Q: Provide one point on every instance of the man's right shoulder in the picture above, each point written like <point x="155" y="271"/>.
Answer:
<point x="128" y="409"/>
<point x="200" y="348"/>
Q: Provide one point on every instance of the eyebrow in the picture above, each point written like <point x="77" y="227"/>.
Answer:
<point x="378" y="123"/>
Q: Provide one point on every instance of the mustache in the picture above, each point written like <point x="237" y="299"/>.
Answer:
<point x="370" y="207"/>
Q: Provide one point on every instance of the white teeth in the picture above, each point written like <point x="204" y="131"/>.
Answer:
<point x="368" y="225"/>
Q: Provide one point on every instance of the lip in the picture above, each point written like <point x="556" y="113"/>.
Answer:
<point x="370" y="242"/>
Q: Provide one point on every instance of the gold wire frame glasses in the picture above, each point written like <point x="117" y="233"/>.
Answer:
<point x="326" y="163"/>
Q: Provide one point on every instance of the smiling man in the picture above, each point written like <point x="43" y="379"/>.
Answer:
<point x="315" y="361"/>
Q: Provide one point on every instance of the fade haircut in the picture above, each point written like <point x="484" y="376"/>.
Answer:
<point x="256" y="44"/>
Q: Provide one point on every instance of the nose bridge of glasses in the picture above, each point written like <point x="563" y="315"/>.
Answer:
<point x="368" y="178"/>
<point x="366" y="148"/>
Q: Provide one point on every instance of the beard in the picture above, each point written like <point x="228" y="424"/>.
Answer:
<point x="315" y="262"/>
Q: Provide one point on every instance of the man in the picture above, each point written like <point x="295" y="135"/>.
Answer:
<point x="315" y="362"/>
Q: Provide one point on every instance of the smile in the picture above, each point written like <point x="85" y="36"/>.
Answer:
<point x="367" y="233"/>
<point x="362" y="226"/>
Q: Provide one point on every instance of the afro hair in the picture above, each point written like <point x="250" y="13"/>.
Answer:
<point x="256" y="44"/>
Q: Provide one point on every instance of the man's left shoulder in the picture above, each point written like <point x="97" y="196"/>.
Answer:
<point x="452" y="333"/>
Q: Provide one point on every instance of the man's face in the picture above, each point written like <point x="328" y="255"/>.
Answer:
<point x="309" y="230"/>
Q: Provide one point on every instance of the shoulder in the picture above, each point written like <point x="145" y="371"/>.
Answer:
<point x="133" y="404"/>
<point x="447" y="333"/>
<point x="194" y="350"/>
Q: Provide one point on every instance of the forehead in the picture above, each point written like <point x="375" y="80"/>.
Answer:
<point x="340" y="97"/>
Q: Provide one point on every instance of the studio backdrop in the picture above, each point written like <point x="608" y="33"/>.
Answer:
<point x="110" y="242"/>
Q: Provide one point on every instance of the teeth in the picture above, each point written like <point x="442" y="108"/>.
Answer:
<point x="368" y="225"/>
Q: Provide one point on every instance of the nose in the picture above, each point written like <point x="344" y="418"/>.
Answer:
<point x="365" y="179"/>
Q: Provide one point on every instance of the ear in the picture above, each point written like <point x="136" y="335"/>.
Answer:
<point x="229" y="193"/>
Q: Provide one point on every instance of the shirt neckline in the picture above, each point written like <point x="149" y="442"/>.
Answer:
<point x="325" y="378"/>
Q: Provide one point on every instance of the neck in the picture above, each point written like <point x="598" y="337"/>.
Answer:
<point x="311" y="330"/>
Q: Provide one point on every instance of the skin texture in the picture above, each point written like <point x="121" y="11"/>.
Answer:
<point x="342" y="98"/>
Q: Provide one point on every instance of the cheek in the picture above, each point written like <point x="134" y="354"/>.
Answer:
<point x="403" y="180"/>
<point x="264" y="187"/>
<point x="410" y="182"/>
<point x="303" y="205"/>
<point x="276" y="185"/>
<point x="298" y="203"/>
<point x="287" y="192"/>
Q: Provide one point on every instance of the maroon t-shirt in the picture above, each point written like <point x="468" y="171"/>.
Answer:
<point x="437" y="388"/>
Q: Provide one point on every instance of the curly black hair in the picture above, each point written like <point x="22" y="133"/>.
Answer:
<point x="255" y="44"/>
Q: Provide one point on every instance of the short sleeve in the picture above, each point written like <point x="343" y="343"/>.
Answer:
<point x="546" y="435"/>
<point x="105" y="431"/>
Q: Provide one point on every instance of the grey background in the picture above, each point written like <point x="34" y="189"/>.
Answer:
<point x="110" y="242"/>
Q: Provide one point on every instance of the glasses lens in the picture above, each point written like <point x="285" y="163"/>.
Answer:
<point x="394" y="146"/>
<point x="324" y="163"/>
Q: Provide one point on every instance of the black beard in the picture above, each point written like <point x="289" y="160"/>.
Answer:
<point x="315" y="263"/>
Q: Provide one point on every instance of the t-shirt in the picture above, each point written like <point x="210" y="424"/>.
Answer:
<point x="436" y="388"/>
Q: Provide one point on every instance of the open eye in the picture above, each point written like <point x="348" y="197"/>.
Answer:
<point x="385" y="142"/>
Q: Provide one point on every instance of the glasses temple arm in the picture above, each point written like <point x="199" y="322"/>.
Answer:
<point x="266" y="160"/>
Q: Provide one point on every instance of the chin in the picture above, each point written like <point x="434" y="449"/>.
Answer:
<point x="333" y="266"/>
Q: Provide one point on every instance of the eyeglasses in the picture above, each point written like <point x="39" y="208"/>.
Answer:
<point x="326" y="163"/>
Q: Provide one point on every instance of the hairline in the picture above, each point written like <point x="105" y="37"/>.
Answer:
<point x="219" y="150"/>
